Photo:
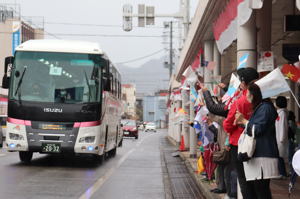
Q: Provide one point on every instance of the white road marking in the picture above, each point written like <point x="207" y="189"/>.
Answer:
<point x="100" y="181"/>
<point x="2" y="154"/>
<point x="90" y="191"/>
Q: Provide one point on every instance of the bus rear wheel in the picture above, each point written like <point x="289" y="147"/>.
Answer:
<point x="113" y="152"/>
<point x="25" y="156"/>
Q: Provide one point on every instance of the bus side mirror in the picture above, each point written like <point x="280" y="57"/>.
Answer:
<point x="106" y="84"/>
<point x="5" y="81"/>
<point x="7" y="67"/>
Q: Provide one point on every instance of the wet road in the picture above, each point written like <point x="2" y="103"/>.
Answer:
<point x="135" y="172"/>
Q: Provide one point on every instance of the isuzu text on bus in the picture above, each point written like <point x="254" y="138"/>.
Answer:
<point x="64" y="97"/>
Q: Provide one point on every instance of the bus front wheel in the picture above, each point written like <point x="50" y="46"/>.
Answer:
<point x="25" y="156"/>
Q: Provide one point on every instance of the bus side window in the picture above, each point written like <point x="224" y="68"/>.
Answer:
<point x="116" y="87"/>
<point x="111" y="83"/>
<point x="120" y="94"/>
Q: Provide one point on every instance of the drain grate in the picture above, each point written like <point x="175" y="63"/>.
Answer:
<point x="182" y="185"/>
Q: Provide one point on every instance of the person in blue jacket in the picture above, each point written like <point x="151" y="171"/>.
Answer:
<point x="263" y="165"/>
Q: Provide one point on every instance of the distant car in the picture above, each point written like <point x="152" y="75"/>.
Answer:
<point x="130" y="128"/>
<point x="150" y="127"/>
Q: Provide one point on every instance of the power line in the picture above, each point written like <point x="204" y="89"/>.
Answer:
<point x="140" y="58"/>
<point x="95" y="25"/>
<point x="92" y="35"/>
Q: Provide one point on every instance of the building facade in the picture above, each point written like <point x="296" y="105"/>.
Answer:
<point x="129" y="100"/>
<point x="224" y="32"/>
<point x="14" y="31"/>
<point x="155" y="109"/>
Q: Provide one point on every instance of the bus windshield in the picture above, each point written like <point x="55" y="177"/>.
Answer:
<point x="56" y="77"/>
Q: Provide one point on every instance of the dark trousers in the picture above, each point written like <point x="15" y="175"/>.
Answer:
<point x="291" y="153"/>
<point x="220" y="178"/>
<point x="247" y="191"/>
<point x="230" y="181"/>
<point x="261" y="189"/>
<point x="281" y="167"/>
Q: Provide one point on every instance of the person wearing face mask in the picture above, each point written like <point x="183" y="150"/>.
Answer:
<point x="242" y="105"/>
<point x="263" y="165"/>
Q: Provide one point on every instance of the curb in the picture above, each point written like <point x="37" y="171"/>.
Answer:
<point x="204" y="188"/>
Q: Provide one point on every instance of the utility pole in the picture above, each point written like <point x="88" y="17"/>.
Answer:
<point x="171" y="49"/>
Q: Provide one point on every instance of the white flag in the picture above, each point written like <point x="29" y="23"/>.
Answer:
<point x="190" y="76"/>
<point x="273" y="84"/>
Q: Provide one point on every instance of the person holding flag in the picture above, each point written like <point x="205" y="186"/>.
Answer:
<point x="242" y="105"/>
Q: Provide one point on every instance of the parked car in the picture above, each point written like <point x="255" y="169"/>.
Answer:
<point x="130" y="128"/>
<point x="150" y="126"/>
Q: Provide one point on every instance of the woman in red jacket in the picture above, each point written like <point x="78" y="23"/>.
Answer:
<point x="242" y="105"/>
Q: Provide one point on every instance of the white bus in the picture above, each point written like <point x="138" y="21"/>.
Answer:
<point x="64" y="97"/>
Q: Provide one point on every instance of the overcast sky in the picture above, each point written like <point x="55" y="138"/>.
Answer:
<point x="103" y="12"/>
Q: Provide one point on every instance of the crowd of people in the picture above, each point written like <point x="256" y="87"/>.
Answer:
<point x="272" y="125"/>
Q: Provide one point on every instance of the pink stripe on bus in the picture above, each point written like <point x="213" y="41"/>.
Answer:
<point x="17" y="121"/>
<point x="86" y="124"/>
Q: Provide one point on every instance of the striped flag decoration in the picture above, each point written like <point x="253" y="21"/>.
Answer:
<point x="243" y="61"/>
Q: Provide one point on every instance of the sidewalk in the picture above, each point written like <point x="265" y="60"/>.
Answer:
<point x="279" y="188"/>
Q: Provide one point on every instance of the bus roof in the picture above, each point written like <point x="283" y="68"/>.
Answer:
<point x="67" y="46"/>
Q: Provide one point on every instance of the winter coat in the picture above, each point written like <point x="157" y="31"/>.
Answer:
<point x="244" y="107"/>
<point x="263" y="120"/>
<point x="282" y="132"/>
<point x="214" y="108"/>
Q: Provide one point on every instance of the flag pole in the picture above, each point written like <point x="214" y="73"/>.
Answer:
<point x="295" y="98"/>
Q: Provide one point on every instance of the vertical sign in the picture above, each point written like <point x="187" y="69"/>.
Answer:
<point x="265" y="61"/>
<point x="16" y="35"/>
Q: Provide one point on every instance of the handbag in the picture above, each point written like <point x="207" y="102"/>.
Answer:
<point x="221" y="157"/>
<point x="246" y="145"/>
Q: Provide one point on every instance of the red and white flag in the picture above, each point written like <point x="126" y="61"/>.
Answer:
<point x="236" y="13"/>
<point x="196" y="62"/>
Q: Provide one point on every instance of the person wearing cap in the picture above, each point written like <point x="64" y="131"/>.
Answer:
<point x="242" y="105"/>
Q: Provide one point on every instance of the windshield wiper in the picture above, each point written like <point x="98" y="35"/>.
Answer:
<point x="20" y="81"/>
<point x="87" y="82"/>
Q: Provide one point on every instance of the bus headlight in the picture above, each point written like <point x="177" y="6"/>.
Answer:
<point x="88" y="139"/>
<point x="14" y="136"/>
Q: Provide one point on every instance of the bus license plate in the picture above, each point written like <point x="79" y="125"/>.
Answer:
<point x="50" y="148"/>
